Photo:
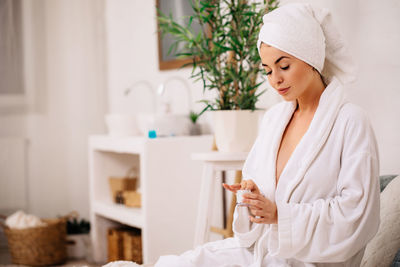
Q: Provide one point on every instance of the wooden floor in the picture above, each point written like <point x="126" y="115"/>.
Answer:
<point x="5" y="260"/>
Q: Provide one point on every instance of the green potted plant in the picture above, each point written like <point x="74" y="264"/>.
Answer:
<point x="194" y="128"/>
<point x="225" y="58"/>
<point x="78" y="238"/>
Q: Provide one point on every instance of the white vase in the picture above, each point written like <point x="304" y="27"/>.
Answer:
<point x="236" y="130"/>
<point x="78" y="246"/>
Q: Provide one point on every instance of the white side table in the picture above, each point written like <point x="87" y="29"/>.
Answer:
<point x="213" y="162"/>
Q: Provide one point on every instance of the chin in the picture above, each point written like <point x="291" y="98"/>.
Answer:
<point x="288" y="97"/>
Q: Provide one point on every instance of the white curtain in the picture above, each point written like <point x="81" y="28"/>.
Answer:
<point x="11" y="67"/>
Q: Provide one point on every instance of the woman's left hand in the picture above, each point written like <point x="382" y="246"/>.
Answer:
<point x="260" y="206"/>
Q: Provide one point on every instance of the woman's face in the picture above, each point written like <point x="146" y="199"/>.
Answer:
<point x="291" y="77"/>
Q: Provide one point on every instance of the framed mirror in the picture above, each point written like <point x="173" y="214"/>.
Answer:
<point x="179" y="10"/>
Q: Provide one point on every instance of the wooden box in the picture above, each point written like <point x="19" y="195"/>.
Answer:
<point x="132" y="246"/>
<point x="125" y="244"/>
<point x="115" y="249"/>
<point x="132" y="198"/>
<point x="120" y="184"/>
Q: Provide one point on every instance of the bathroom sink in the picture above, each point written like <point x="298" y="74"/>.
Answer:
<point x="164" y="124"/>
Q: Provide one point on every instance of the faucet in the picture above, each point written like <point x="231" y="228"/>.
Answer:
<point x="163" y="86"/>
<point x="129" y="89"/>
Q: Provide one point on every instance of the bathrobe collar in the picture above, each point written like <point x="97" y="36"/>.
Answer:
<point x="264" y="169"/>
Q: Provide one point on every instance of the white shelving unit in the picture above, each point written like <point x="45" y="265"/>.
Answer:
<point x="169" y="183"/>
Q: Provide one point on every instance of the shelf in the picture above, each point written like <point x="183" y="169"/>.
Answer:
<point x="126" y="215"/>
<point x="130" y="144"/>
<point x="161" y="162"/>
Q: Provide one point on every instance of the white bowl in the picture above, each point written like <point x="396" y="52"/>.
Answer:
<point x="121" y="125"/>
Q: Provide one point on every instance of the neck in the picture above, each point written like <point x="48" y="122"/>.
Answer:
<point x="309" y="100"/>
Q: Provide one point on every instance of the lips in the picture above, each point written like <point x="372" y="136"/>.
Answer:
<point x="283" y="91"/>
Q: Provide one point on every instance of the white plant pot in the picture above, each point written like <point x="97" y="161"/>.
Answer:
<point x="121" y="125"/>
<point x="78" y="247"/>
<point x="236" y="130"/>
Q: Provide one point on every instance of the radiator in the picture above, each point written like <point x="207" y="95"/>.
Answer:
<point x="13" y="175"/>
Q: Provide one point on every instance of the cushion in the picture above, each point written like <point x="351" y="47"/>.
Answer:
<point x="396" y="260"/>
<point x="385" y="180"/>
<point x="381" y="250"/>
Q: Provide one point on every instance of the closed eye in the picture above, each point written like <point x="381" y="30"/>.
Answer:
<point x="285" y="68"/>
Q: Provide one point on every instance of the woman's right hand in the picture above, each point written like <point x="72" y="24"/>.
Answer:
<point x="244" y="185"/>
<point x="250" y="185"/>
<point x="233" y="187"/>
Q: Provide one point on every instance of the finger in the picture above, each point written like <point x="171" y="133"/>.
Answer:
<point x="227" y="187"/>
<point x="260" y="213"/>
<point x="251" y="184"/>
<point x="254" y="203"/>
<point x="253" y="196"/>
<point x="256" y="220"/>
<point x="243" y="185"/>
<point x="233" y="188"/>
<point x="254" y="188"/>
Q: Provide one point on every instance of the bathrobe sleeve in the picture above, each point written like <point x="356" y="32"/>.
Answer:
<point x="336" y="228"/>
<point x="246" y="232"/>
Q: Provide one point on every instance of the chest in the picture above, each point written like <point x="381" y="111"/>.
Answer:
<point x="291" y="137"/>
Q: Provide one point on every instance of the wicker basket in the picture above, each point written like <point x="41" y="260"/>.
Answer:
<point x="38" y="246"/>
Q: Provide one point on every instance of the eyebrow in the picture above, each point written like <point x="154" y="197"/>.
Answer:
<point x="276" y="61"/>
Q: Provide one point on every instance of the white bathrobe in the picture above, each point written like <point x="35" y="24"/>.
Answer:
<point x="327" y="196"/>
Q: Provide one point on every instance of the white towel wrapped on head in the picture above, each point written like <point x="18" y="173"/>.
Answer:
<point x="309" y="34"/>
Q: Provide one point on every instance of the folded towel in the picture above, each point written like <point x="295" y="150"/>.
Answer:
<point x="20" y="220"/>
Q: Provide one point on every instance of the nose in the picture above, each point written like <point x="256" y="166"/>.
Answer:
<point x="275" y="79"/>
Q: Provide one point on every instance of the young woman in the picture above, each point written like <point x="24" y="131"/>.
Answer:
<point x="313" y="170"/>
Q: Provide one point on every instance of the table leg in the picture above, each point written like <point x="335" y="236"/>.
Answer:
<point x="223" y="193"/>
<point x="238" y="179"/>
<point x="205" y="206"/>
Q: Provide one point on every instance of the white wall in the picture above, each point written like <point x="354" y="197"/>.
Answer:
<point x="70" y="88"/>
<point x="370" y="27"/>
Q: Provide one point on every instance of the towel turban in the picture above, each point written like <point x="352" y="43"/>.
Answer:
<point x="308" y="33"/>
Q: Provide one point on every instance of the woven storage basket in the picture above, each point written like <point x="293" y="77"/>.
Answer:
<point x="115" y="249"/>
<point x="125" y="244"/>
<point x="38" y="246"/>
<point x="132" y="246"/>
